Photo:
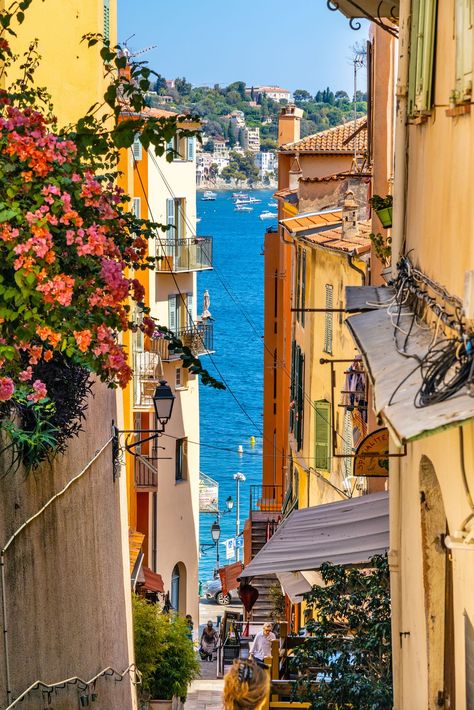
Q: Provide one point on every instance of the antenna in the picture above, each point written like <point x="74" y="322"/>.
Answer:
<point x="359" y="60"/>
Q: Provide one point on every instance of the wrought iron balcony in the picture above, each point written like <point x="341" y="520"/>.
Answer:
<point x="266" y="498"/>
<point x="174" y="255"/>
<point x="147" y="372"/>
<point x="200" y="339"/>
<point x="146" y="472"/>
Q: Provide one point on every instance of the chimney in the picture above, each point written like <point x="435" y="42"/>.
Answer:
<point x="289" y="123"/>
<point x="294" y="173"/>
<point x="350" y="212"/>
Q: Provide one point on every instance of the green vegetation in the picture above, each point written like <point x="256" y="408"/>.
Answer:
<point x="350" y="639"/>
<point x="241" y="168"/>
<point x="324" y="110"/>
<point x="163" y="652"/>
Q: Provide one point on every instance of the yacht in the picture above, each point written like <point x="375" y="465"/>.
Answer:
<point x="253" y="200"/>
<point x="209" y="196"/>
<point x="243" y="208"/>
<point x="268" y="215"/>
<point x="272" y="204"/>
<point x="240" y="195"/>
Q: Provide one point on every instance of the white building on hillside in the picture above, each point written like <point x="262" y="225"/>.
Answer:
<point x="273" y="92"/>
<point x="251" y="139"/>
<point x="266" y="162"/>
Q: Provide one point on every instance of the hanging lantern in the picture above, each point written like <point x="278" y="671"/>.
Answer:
<point x="248" y="595"/>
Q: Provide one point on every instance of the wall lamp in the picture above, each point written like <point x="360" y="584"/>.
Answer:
<point x="163" y="401"/>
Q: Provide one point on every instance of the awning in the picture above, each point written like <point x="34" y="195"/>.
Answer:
<point x="346" y="532"/>
<point x="135" y="541"/>
<point x="303" y="223"/>
<point x="295" y="584"/>
<point x="396" y="378"/>
<point x="367" y="298"/>
<point x="369" y="9"/>
<point x="153" y="582"/>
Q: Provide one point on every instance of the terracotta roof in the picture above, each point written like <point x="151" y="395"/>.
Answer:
<point x="333" y="239"/>
<point x="300" y="224"/>
<point x="337" y="176"/>
<point x="336" y="140"/>
<point x="285" y="192"/>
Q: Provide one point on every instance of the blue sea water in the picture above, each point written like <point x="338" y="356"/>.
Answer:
<point x="238" y="265"/>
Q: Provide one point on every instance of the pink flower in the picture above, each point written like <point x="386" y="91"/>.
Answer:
<point x="26" y="375"/>
<point x="40" y="391"/>
<point x="6" y="388"/>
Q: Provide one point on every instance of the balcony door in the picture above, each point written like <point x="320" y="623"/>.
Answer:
<point x="176" y="223"/>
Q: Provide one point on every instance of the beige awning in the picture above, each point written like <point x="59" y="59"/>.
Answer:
<point x="369" y="9"/>
<point x="346" y="532"/>
<point x="295" y="584"/>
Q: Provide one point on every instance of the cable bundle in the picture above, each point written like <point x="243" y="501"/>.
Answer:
<point x="445" y="369"/>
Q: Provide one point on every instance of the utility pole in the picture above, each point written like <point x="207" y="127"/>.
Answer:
<point x="239" y="478"/>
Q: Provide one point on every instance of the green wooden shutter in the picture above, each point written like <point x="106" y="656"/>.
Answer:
<point x="322" y="437"/>
<point x="463" y="29"/>
<point x="303" y="288"/>
<point x="422" y="43"/>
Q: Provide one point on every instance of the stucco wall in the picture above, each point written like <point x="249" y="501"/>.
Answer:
<point x="67" y="586"/>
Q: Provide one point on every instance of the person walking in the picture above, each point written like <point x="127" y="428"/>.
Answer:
<point x="190" y="625"/>
<point x="246" y="686"/>
<point x="262" y="644"/>
<point x="209" y="639"/>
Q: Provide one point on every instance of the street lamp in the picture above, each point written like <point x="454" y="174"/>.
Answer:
<point x="163" y="401"/>
<point x="229" y="503"/>
<point x="238" y="478"/>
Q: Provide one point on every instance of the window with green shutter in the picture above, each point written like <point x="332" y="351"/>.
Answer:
<point x="322" y="436"/>
<point x="463" y="30"/>
<point x="107" y="20"/>
<point x="422" y="42"/>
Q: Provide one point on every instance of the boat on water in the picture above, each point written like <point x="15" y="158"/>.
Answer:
<point x="272" y="204"/>
<point x="253" y="200"/>
<point x="243" y="208"/>
<point x="240" y="195"/>
<point x="242" y="201"/>
<point x="268" y="215"/>
<point x="209" y="196"/>
<point x="198" y="219"/>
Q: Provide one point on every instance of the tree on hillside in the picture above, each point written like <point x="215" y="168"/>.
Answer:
<point x="160" y="85"/>
<point x="268" y="144"/>
<point x="342" y="96"/>
<point x="182" y="86"/>
<point x="239" y="87"/>
<point x="209" y="147"/>
<point x="301" y="95"/>
<point x="241" y="167"/>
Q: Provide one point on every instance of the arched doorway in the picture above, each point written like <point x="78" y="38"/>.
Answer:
<point x="178" y="588"/>
<point x="437" y="583"/>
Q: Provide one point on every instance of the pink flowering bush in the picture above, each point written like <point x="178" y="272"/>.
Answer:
<point x="69" y="247"/>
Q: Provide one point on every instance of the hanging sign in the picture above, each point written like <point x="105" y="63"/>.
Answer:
<point x="208" y="494"/>
<point x="229" y="548"/>
<point x="371" y="457"/>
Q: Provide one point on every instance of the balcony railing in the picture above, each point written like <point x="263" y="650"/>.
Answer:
<point x="147" y="372"/>
<point x="146" y="472"/>
<point x="266" y="498"/>
<point x="193" y="254"/>
<point x="199" y="338"/>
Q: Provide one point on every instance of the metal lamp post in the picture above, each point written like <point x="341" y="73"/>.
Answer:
<point x="216" y="534"/>
<point x="238" y="478"/>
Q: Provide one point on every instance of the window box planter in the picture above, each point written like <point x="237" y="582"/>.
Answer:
<point x="385" y="217"/>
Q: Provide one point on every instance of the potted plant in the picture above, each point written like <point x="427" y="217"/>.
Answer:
<point x="383" y="207"/>
<point x="164" y="654"/>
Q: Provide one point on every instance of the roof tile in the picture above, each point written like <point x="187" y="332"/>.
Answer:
<point x="333" y="140"/>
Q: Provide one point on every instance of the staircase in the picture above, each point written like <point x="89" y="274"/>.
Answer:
<point x="264" y="524"/>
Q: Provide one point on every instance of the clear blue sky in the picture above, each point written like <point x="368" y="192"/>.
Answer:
<point x="294" y="44"/>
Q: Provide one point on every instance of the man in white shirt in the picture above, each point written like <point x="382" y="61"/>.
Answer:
<point x="262" y="643"/>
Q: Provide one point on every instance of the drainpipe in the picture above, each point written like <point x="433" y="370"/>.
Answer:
<point x="354" y="267"/>
<point x="395" y="495"/>
<point x="401" y="138"/>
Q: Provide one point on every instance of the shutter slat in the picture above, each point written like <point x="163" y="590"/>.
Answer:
<point x="322" y="439"/>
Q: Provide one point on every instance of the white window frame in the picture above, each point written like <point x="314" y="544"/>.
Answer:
<point x="137" y="148"/>
<point x="137" y="206"/>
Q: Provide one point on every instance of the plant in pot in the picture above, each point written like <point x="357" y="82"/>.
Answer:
<point x="164" y="654"/>
<point x="383" y="207"/>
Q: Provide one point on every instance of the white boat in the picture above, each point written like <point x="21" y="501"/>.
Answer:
<point x="242" y="201"/>
<point x="198" y="219"/>
<point x="240" y="195"/>
<point x="243" y="208"/>
<point x="253" y="200"/>
<point x="209" y="196"/>
<point x="268" y="215"/>
<point x="272" y="204"/>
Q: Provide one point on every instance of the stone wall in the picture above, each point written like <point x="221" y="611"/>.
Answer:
<point x="67" y="578"/>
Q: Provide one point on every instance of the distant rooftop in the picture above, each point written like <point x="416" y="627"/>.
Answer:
<point x="341" y="139"/>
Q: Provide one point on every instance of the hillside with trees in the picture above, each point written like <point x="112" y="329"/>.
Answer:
<point x="325" y="109"/>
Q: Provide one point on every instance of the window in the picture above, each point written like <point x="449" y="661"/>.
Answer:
<point x="322" y="438"/>
<point x="176" y="218"/>
<point x="107" y="20"/>
<point x="181" y="462"/>
<point x="181" y="378"/>
<point x="303" y="287"/>
<point x="328" y="320"/>
<point x="137" y="148"/>
<point x="173" y="313"/>
<point x="463" y="30"/>
<point x="191" y="148"/>
<point x="423" y="24"/>
<point x="297" y="394"/>
<point x="347" y="444"/>
<point x="137" y="206"/>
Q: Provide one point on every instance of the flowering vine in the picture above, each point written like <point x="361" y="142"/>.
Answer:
<point x="69" y="245"/>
